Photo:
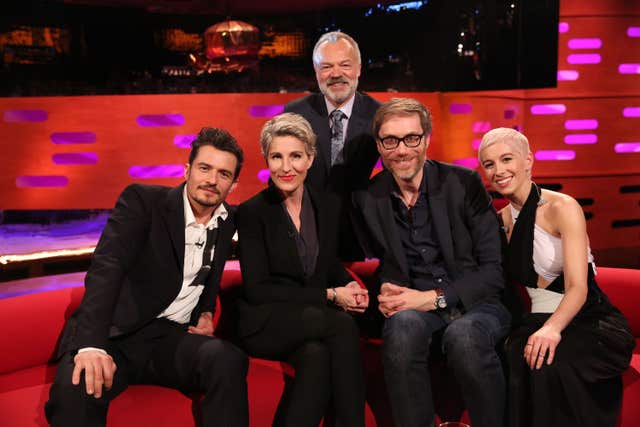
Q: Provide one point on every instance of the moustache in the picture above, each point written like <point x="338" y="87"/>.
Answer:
<point x="335" y="80"/>
<point x="211" y="188"/>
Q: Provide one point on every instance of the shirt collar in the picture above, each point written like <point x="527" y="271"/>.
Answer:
<point x="346" y="108"/>
<point x="190" y="219"/>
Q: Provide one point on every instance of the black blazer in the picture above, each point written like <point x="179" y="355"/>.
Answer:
<point x="360" y="152"/>
<point x="465" y="223"/>
<point x="137" y="267"/>
<point x="272" y="272"/>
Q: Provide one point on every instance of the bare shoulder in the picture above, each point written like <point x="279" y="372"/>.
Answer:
<point x="562" y="209"/>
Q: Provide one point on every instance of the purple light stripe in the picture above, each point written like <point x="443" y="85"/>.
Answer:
<point x="586" y="124"/>
<point x="627" y="147"/>
<point x="42" y="181"/>
<point x="378" y="164"/>
<point x="509" y="113"/>
<point x="12" y="293"/>
<point x="631" y="112"/>
<point x="25" y="116"/>
<point x="581" y="138"/>
<point x="555" y="155"/>
<point x="584" y="58"/>
<point x="467" y="162"/>
<point x="263" y="175"/>
<point x="481" y="127"/>
<point x="563" y="27"/>
<point x="475" y="143"/>
<point x="159" y="120"/>
<point x="593" y="43"/>
<point x="539" y="109"/>
<point x="156" y="171"/>
<point x="264" y="111"/>
<point x="633" y="31"/>
<point x="75" y="158"/>
<point x="183" y="141"/>
<point x="568" y="75"/>
<point x="460" y="108"/>
<point x="73" y="137"/>
<point x="629" y="68"/>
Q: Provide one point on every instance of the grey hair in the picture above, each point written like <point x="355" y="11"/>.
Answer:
<point x="288" y="124"/>
<point x="333" y="37"/>
<point x="511" y="137"/>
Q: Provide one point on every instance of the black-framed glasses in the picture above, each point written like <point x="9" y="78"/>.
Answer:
<point x="392" y="142"/>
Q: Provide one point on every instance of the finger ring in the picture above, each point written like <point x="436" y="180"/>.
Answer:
<point x="529" y="345"/>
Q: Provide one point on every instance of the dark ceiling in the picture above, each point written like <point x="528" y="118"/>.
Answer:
<point x="231" y="7"/>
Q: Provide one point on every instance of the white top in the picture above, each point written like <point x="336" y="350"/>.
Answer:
<point x="195" y="238"/>
<point x="548" y="261"/>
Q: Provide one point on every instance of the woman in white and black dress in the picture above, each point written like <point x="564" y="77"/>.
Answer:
<point x="566" y="357"/>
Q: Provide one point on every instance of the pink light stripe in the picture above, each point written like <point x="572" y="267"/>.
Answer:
<point x="564" y="75"/>
<point x="42" y="181"/>
<point x="475" y="143"/>
<point x="631" y="112"/>
<point x="156" y="171"/>
<point x="586" y="124"/>
<point x="183" y="141"/>
<point x="629" y="68"/>
<point x="627" y="147"/>
<point x="460" y="108"/>
<point x="633" y="31"/>
<point x="548" y="109"/>
<point x="467" y="162"/>
<point x="263" y="175"/>
<point x="594" y="43"/>
<point x="581" y="138"/>
<point x="555" y="155"/>
<point x="481" y="127"/>
<point x="584" y="58"/>
<point x="563" y="27"/>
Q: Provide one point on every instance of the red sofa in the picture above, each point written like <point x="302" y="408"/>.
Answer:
<point x="30" y="326"/>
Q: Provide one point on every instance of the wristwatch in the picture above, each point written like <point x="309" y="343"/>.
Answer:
<point x="440" y="301"/>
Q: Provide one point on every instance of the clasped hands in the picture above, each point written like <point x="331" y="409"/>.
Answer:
<point x="394" y="298"/>
<point x="352" y="298"/>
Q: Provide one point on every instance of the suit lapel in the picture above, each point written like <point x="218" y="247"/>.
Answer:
<point x="320" y="122"/>
<point x="173" y="215"/>
<point x="225" y="234"/>
<point x="382" y="196"/>
<point x="439" y="213"/>
<point x="357" y="126"/>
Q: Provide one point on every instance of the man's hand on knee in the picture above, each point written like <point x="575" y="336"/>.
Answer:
<point x="98" y="368"/>
<point x="394" y="298"/>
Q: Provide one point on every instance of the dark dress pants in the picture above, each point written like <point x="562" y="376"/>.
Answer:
<point x="164" y="354"/>
<point x="322" y="344"/>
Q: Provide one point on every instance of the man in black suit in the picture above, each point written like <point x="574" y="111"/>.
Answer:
<point x="147" y="311"/>
<point x="341" y="119"/>
<point x="433" y="227"/>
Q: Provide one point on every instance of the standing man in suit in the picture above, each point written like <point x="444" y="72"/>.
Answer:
<point x="433" y="227"/>
<point x="147" y="311"/>
<point x="341" y="118"/>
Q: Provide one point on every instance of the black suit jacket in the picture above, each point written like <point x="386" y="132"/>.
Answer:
<point x="360" y="153"/>
<point x="137" y="267"/>
<point x="360" y="156"/>
<point x="272" y="271"/>
<point x="465" y="223"/>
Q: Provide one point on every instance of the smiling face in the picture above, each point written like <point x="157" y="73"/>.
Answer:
<point x="404" y="163"/>
<point x="288" y="163"/>
<point x="507" y="168"/>
<point x="337" y="71"/>
<point x="210" y="178"/>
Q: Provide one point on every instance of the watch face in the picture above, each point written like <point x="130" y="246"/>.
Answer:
<point x="441" y="302"/>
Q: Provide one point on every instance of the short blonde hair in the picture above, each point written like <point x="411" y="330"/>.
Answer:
<point x="402" y="107"/>
<point x="288" y="124"/>
<point x="509" y="136"/>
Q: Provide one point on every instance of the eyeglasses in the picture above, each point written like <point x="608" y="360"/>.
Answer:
<point x="392" y="142"/>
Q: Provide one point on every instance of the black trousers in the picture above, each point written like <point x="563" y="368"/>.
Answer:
<point x="322" y="344"/>
<point x="164" y="354"/>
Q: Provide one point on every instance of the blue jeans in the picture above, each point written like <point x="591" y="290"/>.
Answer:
<point x="469" y="343"/>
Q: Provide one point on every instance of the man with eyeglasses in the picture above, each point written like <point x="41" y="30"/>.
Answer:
<point x="150" y="293"/>
<point x="341" y="118"/>
<point x="433" y="227"/>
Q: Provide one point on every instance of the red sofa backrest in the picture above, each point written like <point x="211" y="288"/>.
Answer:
<point x="622" y="285"/>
